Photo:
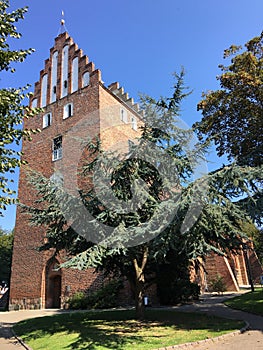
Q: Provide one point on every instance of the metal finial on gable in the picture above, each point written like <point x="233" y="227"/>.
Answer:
<point x="62" y="23"/>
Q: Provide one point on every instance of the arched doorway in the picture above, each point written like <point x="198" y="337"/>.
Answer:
<point x="53" y="285"/>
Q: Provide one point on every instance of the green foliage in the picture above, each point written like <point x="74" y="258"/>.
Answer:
<point x="217" y="284"/>
<point x="78" y="301"/>
<point x="6" y="246"/>
<point x="104" y="298"/>
<point x="12" y="110"/>
<point x="232" y="116"/>
<point x="232" y="119"/>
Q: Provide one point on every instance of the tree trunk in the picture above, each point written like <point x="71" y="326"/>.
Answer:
<point x="139" y="294"/>
<point x="139" y="285"/>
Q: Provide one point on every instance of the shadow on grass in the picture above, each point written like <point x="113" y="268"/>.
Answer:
<point x="251" y="302"/>
<point x="118" y="329"/>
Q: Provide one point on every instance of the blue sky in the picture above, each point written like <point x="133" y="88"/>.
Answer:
<point x="139" y="43"/>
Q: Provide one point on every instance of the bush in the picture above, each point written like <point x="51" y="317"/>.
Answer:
<point x="217" y="284"/>
<point x="78" y="301"/>
<point x="104" y="298"/>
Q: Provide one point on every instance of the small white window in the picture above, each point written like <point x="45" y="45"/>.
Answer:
<point x="47" y="120"/>
<point x="85" y="79"/>
<point x="124" y="117"/>
<point x="134" y="122"/>
<point x="68" y="111"/>
<point x="57" y="148"/>
<point x="34" y="103"/>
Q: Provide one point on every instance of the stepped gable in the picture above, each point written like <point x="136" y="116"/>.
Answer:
<point x="55" y="87"/>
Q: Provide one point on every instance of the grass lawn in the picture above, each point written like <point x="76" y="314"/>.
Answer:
<point x="119" y="330"/>
<point x="250" y="302"/>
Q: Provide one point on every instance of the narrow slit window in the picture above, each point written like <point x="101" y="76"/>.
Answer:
<point x="57" y="148"/>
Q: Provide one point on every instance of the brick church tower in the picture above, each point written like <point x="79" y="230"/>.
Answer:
<point x="72" y="95"/>
<point x="76" y="103"/>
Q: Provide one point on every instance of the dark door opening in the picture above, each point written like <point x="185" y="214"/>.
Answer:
<point x="53" y="287"/>
<point x="55" y="284"/>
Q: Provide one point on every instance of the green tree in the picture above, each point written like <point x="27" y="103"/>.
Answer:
<point x="232" y="115"/>
<point x="12" y="110"/>
<point x="232" y="119"/>
<point x="216" y="229"/>
<point x="6" y="246"/>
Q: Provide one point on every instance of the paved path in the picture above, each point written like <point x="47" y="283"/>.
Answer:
<point x="252" y="339"/>
<point x="8" y="319"/>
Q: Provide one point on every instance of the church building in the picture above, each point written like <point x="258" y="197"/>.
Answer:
<point x="73" y="97"/>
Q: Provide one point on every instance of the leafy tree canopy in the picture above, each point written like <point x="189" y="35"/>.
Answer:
<point x="12" y="110"/>
<point x="233" y="115"/>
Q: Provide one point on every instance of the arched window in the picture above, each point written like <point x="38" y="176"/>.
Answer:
<point x="85" y="79"/>
<point x="34" y="103"/>
<point x="44" y="91"/>
<point x="134" y="122"/>
<point x="75" y="75"/>
<point x="123" y="115"/>
<point x="54" y="72"/>
<point x="68" y="110"/>
<point x="47" y="120"/>
<point x="64" y="80"/>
